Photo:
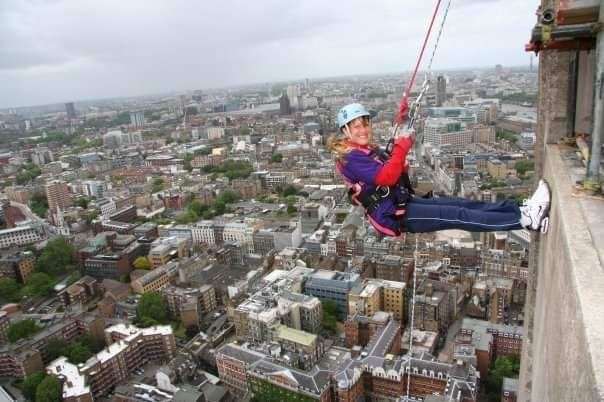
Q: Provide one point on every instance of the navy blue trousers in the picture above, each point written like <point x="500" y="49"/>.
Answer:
<point x="433" y="214"/>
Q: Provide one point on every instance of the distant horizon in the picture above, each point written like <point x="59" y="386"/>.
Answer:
<point x="60" y="50"/>
<point x="171" y="92"/>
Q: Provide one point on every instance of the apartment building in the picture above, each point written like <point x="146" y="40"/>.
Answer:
<point x="129" y="349"/>
<point x="27" y="355"/>
<point x="58" y="195"/>
<point x="190" y="304"/>
<point x="80" y="292"/>
<point x="18" y="266"/>
<point x="4" y="324"/>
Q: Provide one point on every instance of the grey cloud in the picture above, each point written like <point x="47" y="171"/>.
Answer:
<point x="70" y="49"/>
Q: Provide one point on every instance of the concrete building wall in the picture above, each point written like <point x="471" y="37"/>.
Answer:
<point x="566" y="276"/>
<point x="569" y="300"/>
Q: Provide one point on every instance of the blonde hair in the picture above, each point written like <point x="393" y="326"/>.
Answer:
<point x="338" y="145"/>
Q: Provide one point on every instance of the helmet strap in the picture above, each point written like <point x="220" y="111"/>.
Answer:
<point x="346" y="130"/>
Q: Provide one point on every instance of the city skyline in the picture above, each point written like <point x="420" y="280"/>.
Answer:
<point x="249" y="85"/>
<point x="61" y="51"/>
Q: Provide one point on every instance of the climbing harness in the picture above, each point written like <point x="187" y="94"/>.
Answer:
<point x="370" y="198"/>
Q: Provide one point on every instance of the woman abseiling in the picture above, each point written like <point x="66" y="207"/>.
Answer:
<point x="374" y="184"/>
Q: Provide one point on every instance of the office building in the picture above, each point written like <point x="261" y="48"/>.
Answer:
<point x="137" y="119"/>
<point x="441" y="90"/>
<point x="70" y="110"/>
<point x="58" y="195"/>
<point x="21" y="235"/>
<point x="332" y="285"/>
<point x="284" y="105"/>
<point x="156" y="279"/>
<point x="373" y="295"/>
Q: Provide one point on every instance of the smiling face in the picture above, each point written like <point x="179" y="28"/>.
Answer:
<point x="359" y="131"/>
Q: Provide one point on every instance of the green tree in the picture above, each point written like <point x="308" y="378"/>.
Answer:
<point x="507" y="135"/>
<point x="524" y="166"/>
<point x="31" y="383"/>
<point x="157" y="184"/>
<point x="187" y="162"/>
<point x="9" y="289"/>
<point x="56" y="348"/>
<point x="82" y="202"/>
<point x="91" y="343"/>
<point x="187" y="217"/>
<point x="289" y="191"/>
<point x="276" y="158"/>
<point x="151" y="307"/>
<point x="49" y="390"/>
<point x="142" y="263"/>
<point x="505" y="366"/>
<point x="39" y="204"/>
<point x="146" y="322"/>
<point x="231" y="169"/>
<point x="22" y="178"/>
<point x="27" y="174"/>
<point x="78" y="353"/>
<point x="208" y="214"/>
<point x="291" y="209"/>
<point x="203" y="151"/>
<point x="341" y="216"/>
<point x="38" y="284"/>
<point x="121" y="119"/>
<point x="57" y="257"/>
<point x="22" y="329"/>
<point x="197" y="207"/>
<point x="90" y="216"/>
<point x="227" y="197"/>
<point x="330" y="316"/>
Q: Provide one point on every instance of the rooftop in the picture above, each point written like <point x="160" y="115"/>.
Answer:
<point x="75" y="382"/>
<point x="296" y="336"/>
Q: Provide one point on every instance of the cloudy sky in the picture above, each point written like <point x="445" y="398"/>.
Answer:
<point x="62" y="50"/>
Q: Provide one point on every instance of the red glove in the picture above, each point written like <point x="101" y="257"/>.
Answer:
<point x="391" y="171"/>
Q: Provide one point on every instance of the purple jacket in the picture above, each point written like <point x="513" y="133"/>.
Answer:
<point x="359" y="169"/>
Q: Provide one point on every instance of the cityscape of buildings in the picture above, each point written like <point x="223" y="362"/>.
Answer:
<point x="201" y="246"/>
<point x="225" y="207"/>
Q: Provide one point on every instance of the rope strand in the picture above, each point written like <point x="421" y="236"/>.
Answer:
<point x="405" y="96"/>
<point x="412" y="313"/>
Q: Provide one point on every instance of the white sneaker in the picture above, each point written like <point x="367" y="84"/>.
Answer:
<point x="536" y="208"/>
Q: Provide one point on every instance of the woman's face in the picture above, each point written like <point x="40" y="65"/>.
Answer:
<point x="359" y="131"/>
